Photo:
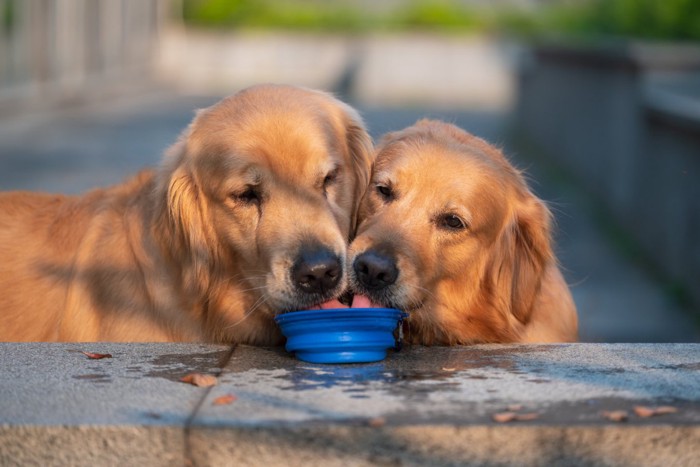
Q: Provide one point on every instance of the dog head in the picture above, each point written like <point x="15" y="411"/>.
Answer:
<point x="450" y="233"/>
<point x="260" y="196"/>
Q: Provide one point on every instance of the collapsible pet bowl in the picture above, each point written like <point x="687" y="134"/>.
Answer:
<point x="341" y="335"/>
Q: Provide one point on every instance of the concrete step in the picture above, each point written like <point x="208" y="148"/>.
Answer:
<point x="421" y="406"/>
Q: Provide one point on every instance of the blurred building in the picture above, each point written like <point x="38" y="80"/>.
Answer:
<point x="55" y="51"/>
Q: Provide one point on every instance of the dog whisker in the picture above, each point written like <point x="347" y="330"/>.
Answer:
<point x="261" y="287"/>
<point x="244" y="277"/>
<point x="257" y="304"/>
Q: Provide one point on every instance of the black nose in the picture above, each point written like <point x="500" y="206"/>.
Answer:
<point x="316" y="271"/>
<point x="374" y="270"/>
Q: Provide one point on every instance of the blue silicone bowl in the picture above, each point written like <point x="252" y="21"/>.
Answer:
<point x="340" y="335"/>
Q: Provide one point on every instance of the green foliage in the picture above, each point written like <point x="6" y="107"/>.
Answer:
<point x="655" y="19"/>
<point x="339" y="16"/>
<point x="645" y="19"/>
<point x="444" y="15"/>
<point x="281" y="14"/>
<point x="7" y="15"/>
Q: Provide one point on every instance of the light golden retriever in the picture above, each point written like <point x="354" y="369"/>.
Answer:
<point x="450" y="233"/>
<point x="249" y="215"/>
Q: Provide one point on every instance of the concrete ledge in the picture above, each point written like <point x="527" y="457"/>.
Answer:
<point x="92" y="445"/>
<point x="423" y="445"/>
<point x="420" y="406"/>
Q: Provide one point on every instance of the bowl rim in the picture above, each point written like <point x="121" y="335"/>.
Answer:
<point x="340" y="313"/>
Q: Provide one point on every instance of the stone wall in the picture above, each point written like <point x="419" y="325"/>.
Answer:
<point x="624" y="120"/>
<point x="54" y="51"/>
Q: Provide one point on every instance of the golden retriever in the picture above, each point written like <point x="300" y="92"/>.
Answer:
<point x="450" y="233"/>
<point x="249" y="215"/>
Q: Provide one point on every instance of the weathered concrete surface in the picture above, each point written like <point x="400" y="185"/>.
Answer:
<point x="462" y="385"/>
<point x="447" y="445"/>
<point x="57" y="407"/>
<point x="421" y="406"/>
<point x="433" y="406"/>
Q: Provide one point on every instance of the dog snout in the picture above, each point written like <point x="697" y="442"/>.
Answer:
<point x="317" y="271"/>
<point x="374" y="270"/>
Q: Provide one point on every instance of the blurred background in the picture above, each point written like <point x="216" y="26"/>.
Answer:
<point x="597" y="100"/>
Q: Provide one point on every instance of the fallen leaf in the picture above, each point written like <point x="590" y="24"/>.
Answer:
<point x="376" y="422"/>
<point x="615" y="415"/>
<point x="198" y="379"/>
<point x="665" y="409"/>
<point x="643" y="412"/>
<point x="97" y="356"/>
<point x="504" y="417"/>
<point x="226" y="399"/>
<point x="646" y="412"/>
<point x="512" y="415"/>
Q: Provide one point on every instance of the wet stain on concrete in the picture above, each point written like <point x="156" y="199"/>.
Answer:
<point x="153" y="415"/>
<point x="94" y="377"/>
<point x="604" y="371"/>
<point x="430" y="370"/>
<point x="174" y="366"/>
<point x="682" y="366"/>
<point x="500" y="358"/>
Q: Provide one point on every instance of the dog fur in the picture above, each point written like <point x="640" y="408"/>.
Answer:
<point x="258" y="195"/>
<point x="450" y="233"/>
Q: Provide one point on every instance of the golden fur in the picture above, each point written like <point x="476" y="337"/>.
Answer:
<point x="208" y="247"/>
<point x="450" y="233"/>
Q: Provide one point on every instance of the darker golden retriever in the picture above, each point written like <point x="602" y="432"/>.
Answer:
<point x="249" y="215"/>
<point x="450" y="233"/>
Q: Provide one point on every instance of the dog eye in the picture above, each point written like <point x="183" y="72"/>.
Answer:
<point x="385" y="192"/>
<point x="452" y="222"/>
<point x="248" y="196"/>
<point x="330" y="178"/>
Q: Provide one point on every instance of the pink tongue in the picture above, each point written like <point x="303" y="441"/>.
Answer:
<point x="358" y="301"/>
<point x="332" y="304"/>
<point x="362" y="301"/>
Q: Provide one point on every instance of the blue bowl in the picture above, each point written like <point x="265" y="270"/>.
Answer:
<point x="340" y="335"/>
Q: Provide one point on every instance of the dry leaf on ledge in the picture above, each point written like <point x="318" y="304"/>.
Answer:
<point x="97" y="356"/>
<point x="376" y="422"/>
<point x="226" y="399"/>
<point x="505" y="417"/>
<point x="615" y="415"/>
<point x="198" y="379"/>
<point x="646" y="412"/>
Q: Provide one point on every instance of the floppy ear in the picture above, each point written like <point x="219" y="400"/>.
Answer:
<point x="185" y="208"/>
<point x="361" y="152"/>
<point x="525" y="252"/>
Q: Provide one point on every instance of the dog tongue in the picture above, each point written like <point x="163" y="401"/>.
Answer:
<point x="363" y="301"/>
<point x="332" y="304"/>
<point x="358" y="301"/>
